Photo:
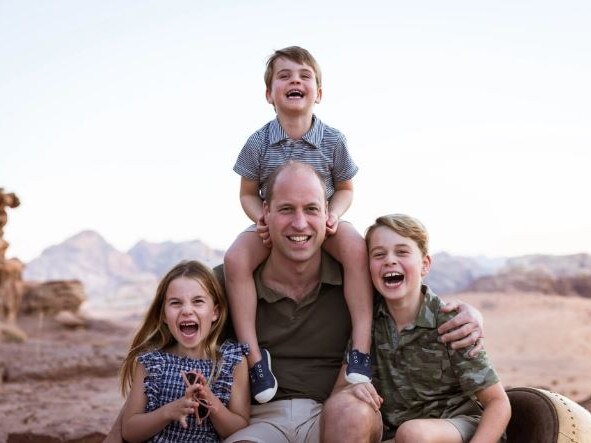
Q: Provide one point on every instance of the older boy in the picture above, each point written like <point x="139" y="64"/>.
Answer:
<point x="429" y="390"/>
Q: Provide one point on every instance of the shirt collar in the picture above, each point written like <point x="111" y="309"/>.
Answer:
<point x="427" y="316"/>
<point x="313" y="137"/>
<point x="330" y="274"/>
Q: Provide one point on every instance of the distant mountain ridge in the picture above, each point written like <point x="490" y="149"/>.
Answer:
<point x="129" y="279"/>
<point x="113" y="277"/>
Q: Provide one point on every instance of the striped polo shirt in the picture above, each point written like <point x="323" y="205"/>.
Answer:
<point x="322" y="147"/>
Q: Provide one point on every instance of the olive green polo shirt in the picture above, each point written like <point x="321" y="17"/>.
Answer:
<point x="418" y="376"/>
<point x="306" y="340"/>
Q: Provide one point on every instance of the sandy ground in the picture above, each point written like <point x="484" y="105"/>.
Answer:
<point x="61" y="385"/>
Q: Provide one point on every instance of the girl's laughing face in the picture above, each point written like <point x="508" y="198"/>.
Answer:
<point x="189" y="312"/>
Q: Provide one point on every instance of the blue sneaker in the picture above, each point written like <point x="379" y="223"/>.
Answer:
<point x="263" y="384"/>
<point x="358" y="367"/>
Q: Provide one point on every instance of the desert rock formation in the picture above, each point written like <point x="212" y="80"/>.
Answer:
<point x="11" y="289"/>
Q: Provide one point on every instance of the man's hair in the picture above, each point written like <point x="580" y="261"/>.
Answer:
<point x="291" y="164"/>
<point x="295" y="54"/>
<point x="403" y="225"/>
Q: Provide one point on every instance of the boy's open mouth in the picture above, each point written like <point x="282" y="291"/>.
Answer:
<point x="295" y="93"/>
<point x="393" y="278"/>
<point x="188" y="327"/>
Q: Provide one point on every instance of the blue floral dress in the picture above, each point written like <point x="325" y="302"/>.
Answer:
<point x="164" y="383"/>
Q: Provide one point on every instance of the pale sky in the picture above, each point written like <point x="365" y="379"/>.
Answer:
<point x="126" y="117"/>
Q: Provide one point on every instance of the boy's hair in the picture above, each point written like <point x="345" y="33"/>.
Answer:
<point x="295" y="54"/>
<point x="404" y="225"/>
<point x="154" y="334"/>
<point x="292" y="164"/>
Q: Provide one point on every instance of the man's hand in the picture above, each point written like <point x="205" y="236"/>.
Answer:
<point x="463" y="330"/>
<point x="366" y="392"/>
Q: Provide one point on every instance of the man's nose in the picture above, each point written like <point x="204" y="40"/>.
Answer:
<point x="299" y="219"/>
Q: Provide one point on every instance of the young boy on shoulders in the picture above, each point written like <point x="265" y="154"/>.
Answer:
<point x="293" y="87"/>
<point x="428" y="389"/>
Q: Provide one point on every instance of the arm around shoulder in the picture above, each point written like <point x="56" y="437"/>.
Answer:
<point x="465" y="329"/>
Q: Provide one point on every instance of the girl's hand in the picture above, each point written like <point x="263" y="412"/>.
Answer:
<point x="178" y="410"/>
<point x="204" y="392"/>
<point x="263" y="231"/>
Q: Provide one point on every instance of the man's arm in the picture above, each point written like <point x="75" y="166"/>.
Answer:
<point x="465" y="329"/>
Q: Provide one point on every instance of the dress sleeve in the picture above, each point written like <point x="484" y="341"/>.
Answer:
<point x="154" y="366"/>
<point x="232" y="354"/>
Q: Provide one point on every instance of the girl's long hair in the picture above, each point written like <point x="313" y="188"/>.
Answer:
<point x="154" y="334"/>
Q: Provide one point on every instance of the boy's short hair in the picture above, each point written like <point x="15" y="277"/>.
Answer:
<point x="403" y="225"/>
<point x="295" y="54"/>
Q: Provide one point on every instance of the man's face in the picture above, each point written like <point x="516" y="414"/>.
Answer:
<point x="296" y="216"/>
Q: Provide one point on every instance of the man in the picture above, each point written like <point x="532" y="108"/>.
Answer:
<point x="303" y="320"/>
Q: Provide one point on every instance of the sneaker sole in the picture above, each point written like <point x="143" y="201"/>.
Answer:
<point x="356" y="378"/>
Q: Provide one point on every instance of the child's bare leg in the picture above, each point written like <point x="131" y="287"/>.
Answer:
<point x="241" y="259"/>
<point x="348" y="247"/>
<point x="427" y="430"/>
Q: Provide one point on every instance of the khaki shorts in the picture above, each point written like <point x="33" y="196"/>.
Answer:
<point x="289" y="421"/>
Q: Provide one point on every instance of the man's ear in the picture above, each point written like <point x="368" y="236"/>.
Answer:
<point x="426" y="265"/>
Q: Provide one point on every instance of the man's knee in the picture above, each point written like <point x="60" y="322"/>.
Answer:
<point x="345" y="416"/>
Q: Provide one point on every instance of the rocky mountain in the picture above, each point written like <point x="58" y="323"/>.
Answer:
<point x="128" y="279"/>
<point x="111" y="277"/>
<point x="545" y="274"/>
<point x="451" y="274"/>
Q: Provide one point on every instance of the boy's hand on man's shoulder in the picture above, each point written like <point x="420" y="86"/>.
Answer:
<point x="332" y="223"/>
<point x="263" y="231"/>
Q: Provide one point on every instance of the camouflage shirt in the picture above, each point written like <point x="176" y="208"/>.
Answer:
<point x="419" y="377"/>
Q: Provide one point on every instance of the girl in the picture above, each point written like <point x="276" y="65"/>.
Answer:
<point x="183" y="386"/>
